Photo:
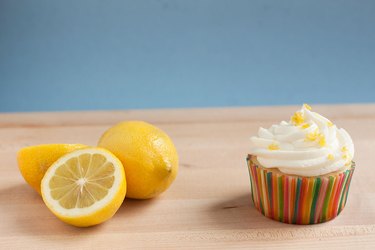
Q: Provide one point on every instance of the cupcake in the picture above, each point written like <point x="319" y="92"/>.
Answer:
<point x="300" y="170"/>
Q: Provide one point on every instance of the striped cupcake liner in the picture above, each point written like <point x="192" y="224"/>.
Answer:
<point x="298" y="200"/>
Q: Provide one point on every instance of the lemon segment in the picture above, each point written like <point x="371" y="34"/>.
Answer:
<point x="34" y="161"/>
<point x="85" y="187"/>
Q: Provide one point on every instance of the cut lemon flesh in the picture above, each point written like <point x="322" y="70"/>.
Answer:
<point x="85" y="187"/>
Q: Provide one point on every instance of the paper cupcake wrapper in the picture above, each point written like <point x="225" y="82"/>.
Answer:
<point x="298" y="200"/>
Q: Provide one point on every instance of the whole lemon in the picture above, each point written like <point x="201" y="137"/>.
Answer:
<point x="148" y="155"/>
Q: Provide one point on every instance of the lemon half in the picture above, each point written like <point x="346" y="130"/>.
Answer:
<point x="85" y="187"/>
<point x="34" y="161"/>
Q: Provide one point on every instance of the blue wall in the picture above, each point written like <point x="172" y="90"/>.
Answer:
<point x="75" y="55"/>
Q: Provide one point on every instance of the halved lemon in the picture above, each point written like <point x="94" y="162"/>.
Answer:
<point x="85" y="187"/>
<point x="34" y="161"/>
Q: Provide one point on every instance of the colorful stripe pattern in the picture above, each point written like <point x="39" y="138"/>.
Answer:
<point x="298" y="200"/>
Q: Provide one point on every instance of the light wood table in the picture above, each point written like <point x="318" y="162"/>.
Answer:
<point x="209" y="204"/>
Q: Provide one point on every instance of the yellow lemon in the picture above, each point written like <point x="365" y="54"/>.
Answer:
<point x="149" y="157"/>
<point x="85" y="187"/>
<point x="34" y="161"/>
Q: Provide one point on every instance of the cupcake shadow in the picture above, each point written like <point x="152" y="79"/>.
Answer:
<point x="239" y="213"/>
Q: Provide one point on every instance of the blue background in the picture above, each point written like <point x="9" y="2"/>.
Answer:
<point x="77" y="55"/>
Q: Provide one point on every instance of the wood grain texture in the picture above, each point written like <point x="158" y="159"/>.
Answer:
<point x="209" y="204"/>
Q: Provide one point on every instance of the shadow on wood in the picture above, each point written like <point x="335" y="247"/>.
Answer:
<point x="240" y="213"/>
<point x="133" y="206"/>
<point x="32" y="217"/>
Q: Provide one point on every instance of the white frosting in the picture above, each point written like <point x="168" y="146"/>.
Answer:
<point x="308" y="145"/>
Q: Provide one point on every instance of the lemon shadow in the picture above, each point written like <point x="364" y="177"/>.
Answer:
<point x="132" y="208"/>
<point x="131" y="204"/>
<point x="25" y="212"/>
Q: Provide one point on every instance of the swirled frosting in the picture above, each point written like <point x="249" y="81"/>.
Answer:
<point x="308" y="145"/>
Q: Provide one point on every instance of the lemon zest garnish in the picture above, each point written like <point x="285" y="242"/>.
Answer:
<point x="312" y="136"/>
<point x="330" y="124"/>
<point x="297" y="118"/>
<point x="273" y="146"/>
<point x="345" y="153"/>
<point x="330" y="157"/>
<point x="307" y="106"/>
<point x="305" y="125"/>
<point x="322" y="140"/>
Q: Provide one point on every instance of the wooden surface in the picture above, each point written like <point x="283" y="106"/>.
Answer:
<point x="209" y="204"/>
